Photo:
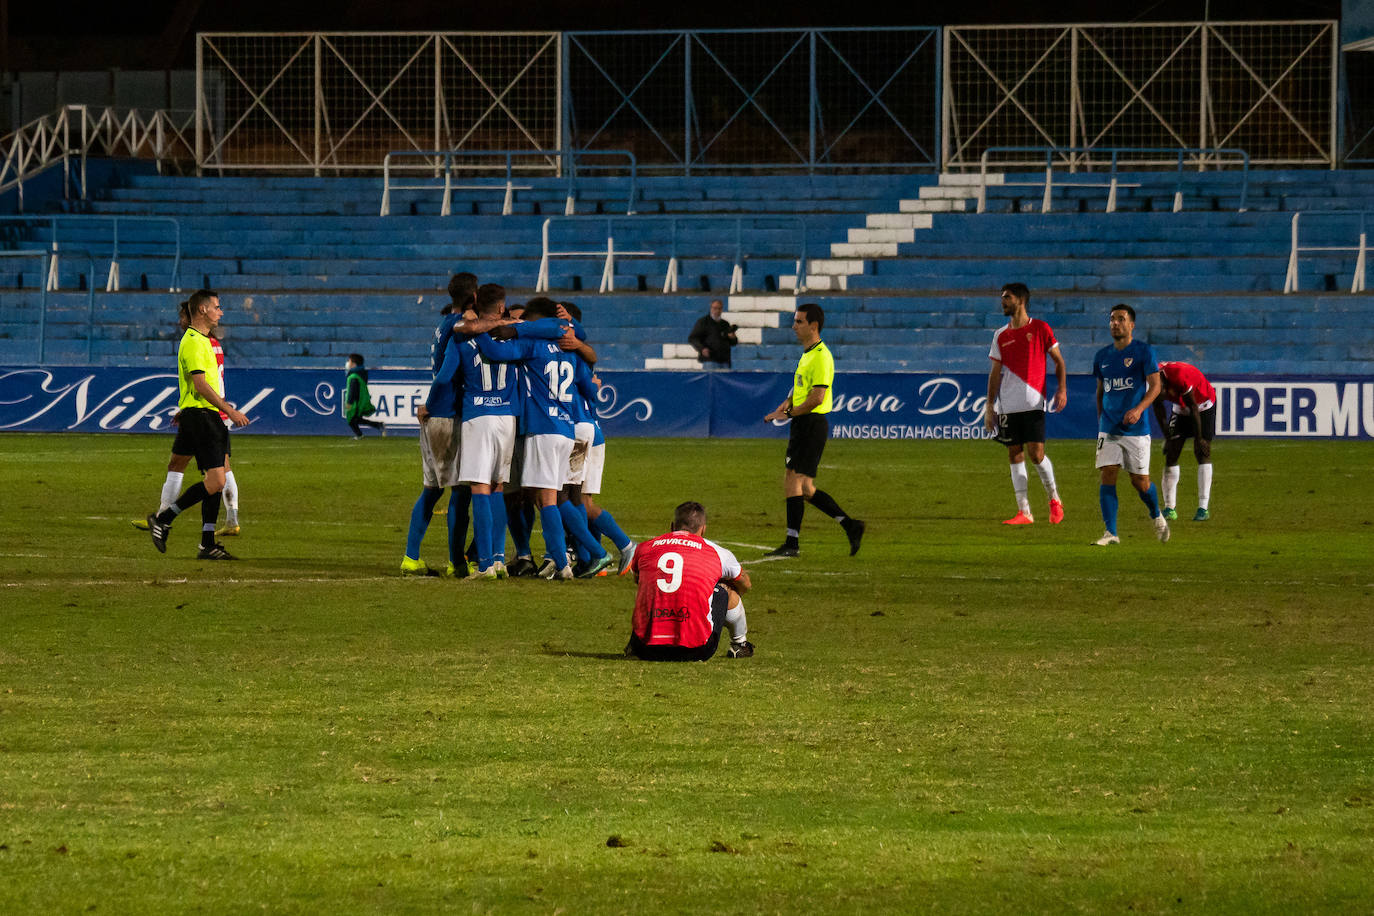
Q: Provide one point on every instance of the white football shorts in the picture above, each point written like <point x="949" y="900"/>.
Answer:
<point x="546" y="461"/>
<point x="596" y="464"/>
<point x="488" y="445"/>
<point x="583" y="433"/>
<point x="1129" y="452"/>
<point x="439" y="441"/>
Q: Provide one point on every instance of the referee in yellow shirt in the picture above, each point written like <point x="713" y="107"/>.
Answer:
<point x="807" y="407"/>
<point x="200" y="431"/>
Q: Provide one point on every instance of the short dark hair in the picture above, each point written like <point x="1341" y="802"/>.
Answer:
<point x="689" y="516"/>
<point x="489" y="295"/>
<point x="539" y="307"/>
<point x="814" y="314"/>
<point x="355" y="358"/>
<point x="199" y="298"/>
<point x="1123" y="307"/>
<point x="1019" y="290"/>
<point x="573" y="310"/>
<point x="462" y="288"/>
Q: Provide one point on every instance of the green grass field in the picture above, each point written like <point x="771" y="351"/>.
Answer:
<point x="964" y="718"/>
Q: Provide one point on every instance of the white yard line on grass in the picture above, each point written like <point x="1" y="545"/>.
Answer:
<point x="103" y="583"/>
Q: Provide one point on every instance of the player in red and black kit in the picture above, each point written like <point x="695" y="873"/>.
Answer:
<point x="689" y="588"/>
<point x="1194" y="416"/>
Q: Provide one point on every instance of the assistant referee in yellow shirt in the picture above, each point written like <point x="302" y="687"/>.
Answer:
<point x="807" y="407"/>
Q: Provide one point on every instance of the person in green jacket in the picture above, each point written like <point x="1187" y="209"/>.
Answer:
<point x="357" y="402"/>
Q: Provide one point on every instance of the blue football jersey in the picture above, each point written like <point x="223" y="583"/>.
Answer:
<point x="446" y="391"/>
<point x="1123" y="376"/>
<point x="584" y="392"/>
<point x="490" y="383"/>
<point x="548" y="386"/>
<point x="439" y="343"/>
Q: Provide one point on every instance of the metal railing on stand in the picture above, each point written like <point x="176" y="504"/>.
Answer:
<point x="670" y="280"/>
<point x="444" y="163"/>
<point x="47" y="141"/>
<point x="1360" y="249"/>
<point x="112" y="277"/>
<point x="47" y="258"/>
<point x="1080" y="158"/>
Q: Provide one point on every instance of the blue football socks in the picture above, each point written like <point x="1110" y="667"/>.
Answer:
<point x="605" y="524"/>
<point x="419" y="520"/>
<point x="498" y="526"/>
<point x="577" y="525"/>
<point x="481" y="526"/>
<point x="1107" y="497"/>
<point x="460" y="498"/>
<point x="1150" y="498"/>
<point x="519" y="531"/>
<point x="554" y="543"/>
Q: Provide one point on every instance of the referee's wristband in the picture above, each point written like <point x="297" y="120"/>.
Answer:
<point x="787" y="410"/>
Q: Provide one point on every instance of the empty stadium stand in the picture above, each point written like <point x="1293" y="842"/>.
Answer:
<point x="905" y="268"/>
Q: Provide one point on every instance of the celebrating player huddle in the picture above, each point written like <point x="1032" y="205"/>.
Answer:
<point x="508" y="425"/>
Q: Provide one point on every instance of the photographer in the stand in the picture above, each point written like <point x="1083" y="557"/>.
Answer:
<point x="712" y="337"/>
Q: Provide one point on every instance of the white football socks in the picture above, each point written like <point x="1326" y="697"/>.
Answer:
<point x="734" y="620"/>
<point x="1046" y="471"/>
<point x="171" y="489"/>
<point x="231" y="499"/>
<point x="1171" y="475"/>
<point x="1204" y="484"/>
<point x="1020" y="482"/>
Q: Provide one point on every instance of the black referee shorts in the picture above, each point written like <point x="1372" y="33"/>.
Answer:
<point x="806" y="442"/>
<point x="720" y="603"/>
<point x="202" y="433"/>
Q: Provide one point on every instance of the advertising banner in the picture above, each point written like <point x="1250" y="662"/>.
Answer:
<point x="661" y="404"/>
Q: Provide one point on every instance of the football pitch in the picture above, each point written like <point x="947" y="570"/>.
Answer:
<point x="964" y="718"/>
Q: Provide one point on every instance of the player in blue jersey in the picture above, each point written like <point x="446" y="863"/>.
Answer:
<point x="491" y="403"/>
<point x="1127" y="383"/>
<point x="439" y="439"/>
<point x="548" y="372"/>
<point x="462" y="294"/>
<point x="588" y="463"/>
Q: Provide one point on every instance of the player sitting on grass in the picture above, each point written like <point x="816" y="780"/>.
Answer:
<point x="689" y="588"/>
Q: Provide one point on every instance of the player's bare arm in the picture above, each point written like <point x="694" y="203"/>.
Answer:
<point x="473" y="325"/>
<point x="1151" y="392"/>
<point x="780" y="412"/>
<point x="207" y="391"/>
<point x="421" y="414"/>
<point x="1158" y="408"/>
<point x="1099" y="397"/>
<point x="569" y="342"/>
<point x="1061" y="377"/>
<point x="989" y="406"/>
<point x="740" y="583"/>
<point x="814" y="397"/>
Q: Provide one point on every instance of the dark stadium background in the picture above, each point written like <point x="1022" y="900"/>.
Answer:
<point x="158" y="34"/>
